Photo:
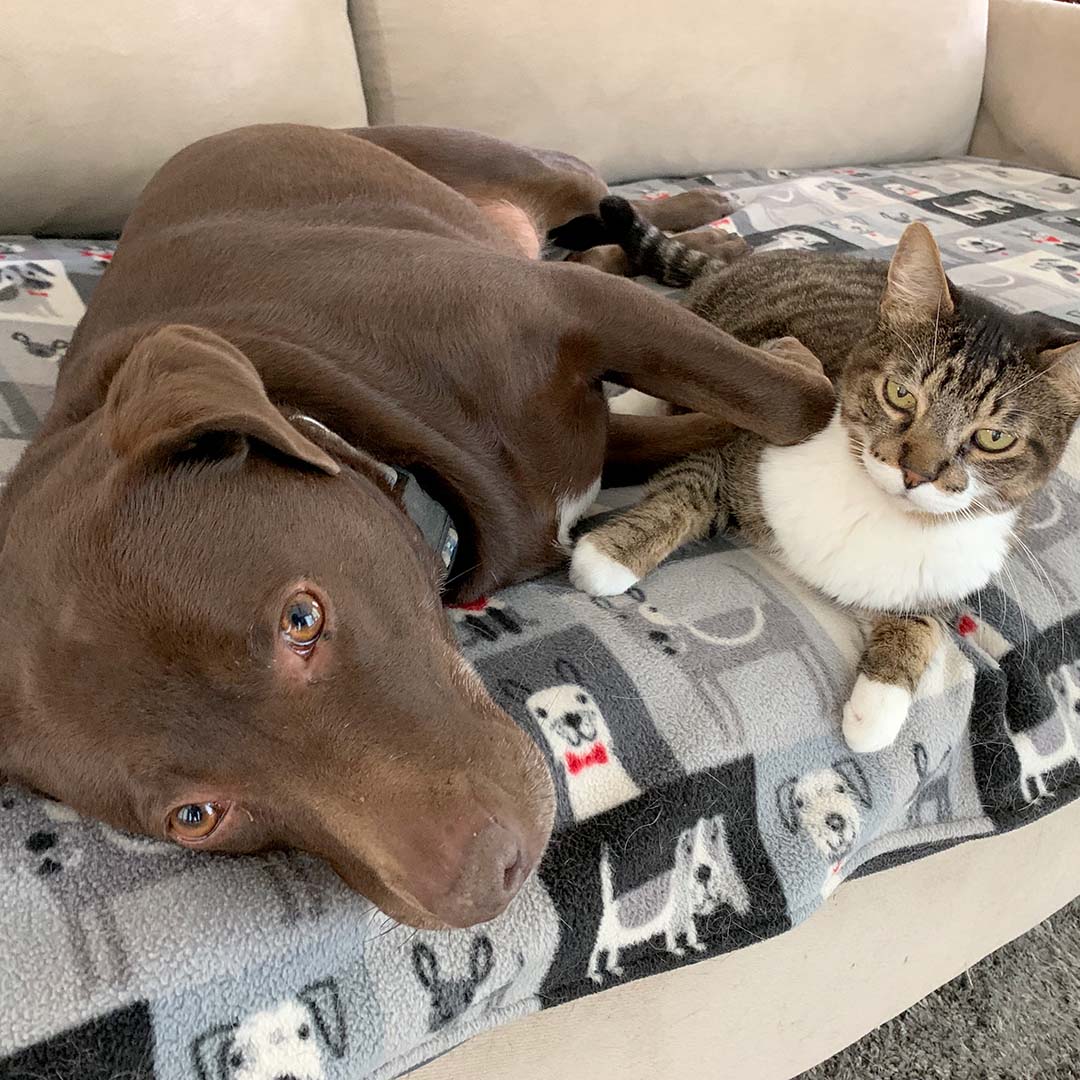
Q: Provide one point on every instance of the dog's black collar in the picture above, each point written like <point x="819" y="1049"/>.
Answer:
<point x="427" y="514"/>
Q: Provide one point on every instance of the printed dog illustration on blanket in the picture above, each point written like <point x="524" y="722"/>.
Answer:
<point x="44" y="350"/>
<point x="670" y="634"/>
<point x="450" y="998"/>
<point x="31" y="276"/>
<point x="1052" y="744"/>
<point x="716" y="880"/>
<point x="285" y="1041"/>
<point x="580" y="742"/>
<point x="932" y="790"/>
<point x="703" y="878"/>
<point x="826" y="805"/>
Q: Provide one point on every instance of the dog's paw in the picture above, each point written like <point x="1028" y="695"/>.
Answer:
<point x="609" y="258"/>
<point x="598" y="574"/>
<point x="689" y="209"/>
<point x="874" y="714"/>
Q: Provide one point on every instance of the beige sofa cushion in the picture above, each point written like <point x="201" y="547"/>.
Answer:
<point x="95" y="96"/>
<point x="1029" y="106"/>
<point x="684" y="86"/>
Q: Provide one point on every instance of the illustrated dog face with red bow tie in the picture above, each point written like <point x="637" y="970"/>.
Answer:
<point x="581" y="743"/>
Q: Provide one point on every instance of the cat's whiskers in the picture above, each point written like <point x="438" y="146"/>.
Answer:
<point x="937" y="324"/>
<point x="917" y="360"/>
<point x="1031" y="378"/>
<point x="1041" y="570"/>
<point x="1024" y="630"/>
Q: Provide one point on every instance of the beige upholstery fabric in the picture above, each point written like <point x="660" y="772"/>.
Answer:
<point x="95" y="96"/>
<point x="648" y="89"/>
<point x="770" y="1011"/>
<point x="1032" y="88"/>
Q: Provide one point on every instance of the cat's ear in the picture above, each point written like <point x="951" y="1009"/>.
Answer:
<point x="917" y="287"/>
<point x="1062" y="367"/>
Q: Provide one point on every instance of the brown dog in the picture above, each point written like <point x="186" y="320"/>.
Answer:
<point x="221" y="624"/>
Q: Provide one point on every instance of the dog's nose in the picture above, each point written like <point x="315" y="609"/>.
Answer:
<point x="573" y="719"/>
<point x="287" y="1076"/>
<point x="493" y="868"/>
<point x="703" y="873"/>
<point x="836" y="822"/>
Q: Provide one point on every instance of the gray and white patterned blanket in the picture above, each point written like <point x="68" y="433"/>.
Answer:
<point x="704" y="711"/>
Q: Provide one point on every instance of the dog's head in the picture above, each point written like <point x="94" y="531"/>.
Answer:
<point x="708" y="840"/>
<point x="288" y="1040"/>
<point x="826" y="803"/>
<point x="225" y="631"/>
<point x="567" y="714"/>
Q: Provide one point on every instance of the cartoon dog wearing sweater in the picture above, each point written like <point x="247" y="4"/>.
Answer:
<point x="580" y="742"/>
<point x="703" y="879"/>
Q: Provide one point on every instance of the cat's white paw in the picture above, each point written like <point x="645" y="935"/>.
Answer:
<point x="874" y="714"/>
<point x="598" y="574"/>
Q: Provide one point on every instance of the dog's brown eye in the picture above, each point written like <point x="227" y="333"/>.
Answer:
<point x="195" y="821"/>
<point x="302" y="622"/>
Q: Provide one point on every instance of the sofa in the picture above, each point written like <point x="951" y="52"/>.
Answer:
<point x="795" y="104"/>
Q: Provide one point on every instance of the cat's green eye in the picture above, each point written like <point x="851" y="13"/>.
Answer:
<point x="898" y="396"/>
<point x="993" y="441"/>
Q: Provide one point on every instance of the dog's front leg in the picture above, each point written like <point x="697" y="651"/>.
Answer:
<point x="671" y="942"/>
<point x="692" y="936"/>
<point x="611" y="328"/>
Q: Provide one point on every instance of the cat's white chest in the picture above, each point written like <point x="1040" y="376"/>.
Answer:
<point x="835" y="528"/>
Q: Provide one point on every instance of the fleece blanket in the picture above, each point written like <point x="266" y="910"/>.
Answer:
<point x="705" y="798"/>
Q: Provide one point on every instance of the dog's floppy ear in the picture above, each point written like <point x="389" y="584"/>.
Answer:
<point x="568" y="673"/>
<point x="481" y="959"/>
<point x="183" y="388"/>
<point x="210" y="1051"/>
<point x="341" y="448"/>
<point x="785" y="804"/>
<point x="324" y="1003"/>
<point x="853" y="774"/>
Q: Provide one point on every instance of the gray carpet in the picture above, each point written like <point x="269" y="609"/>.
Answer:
<point x="1013" y="1016"/>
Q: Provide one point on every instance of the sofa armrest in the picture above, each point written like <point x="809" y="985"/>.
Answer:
<point x="1031" y="85"/>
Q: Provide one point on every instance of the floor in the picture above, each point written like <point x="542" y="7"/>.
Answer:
<point x="1014" y="1016"/>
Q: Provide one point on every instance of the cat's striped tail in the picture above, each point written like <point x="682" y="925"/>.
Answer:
<point x="651" y="251"/>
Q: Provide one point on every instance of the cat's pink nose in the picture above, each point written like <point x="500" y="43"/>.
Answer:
<point x="913" y="479"/>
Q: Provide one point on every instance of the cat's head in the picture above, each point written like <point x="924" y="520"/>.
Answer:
<point x="951" y="403"/>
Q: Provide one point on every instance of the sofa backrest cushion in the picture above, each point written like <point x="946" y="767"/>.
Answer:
<point x="683" y="86"/>
<point x="1029" y="104"/>
<point x="95" y="96"/>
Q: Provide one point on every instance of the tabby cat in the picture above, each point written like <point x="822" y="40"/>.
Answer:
<point x="952" y="412"/>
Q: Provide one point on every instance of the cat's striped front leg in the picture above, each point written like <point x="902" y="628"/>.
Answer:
<point x="898" y="651"/>
<point x="682" y="503"/>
